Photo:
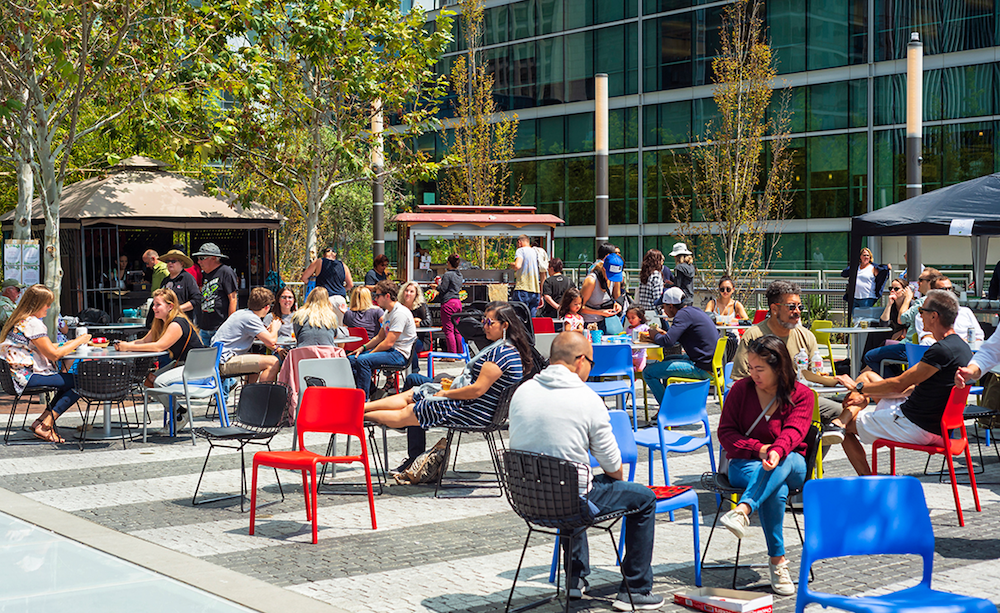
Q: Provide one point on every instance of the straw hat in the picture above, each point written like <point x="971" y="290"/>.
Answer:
<point x="174" y="254"/>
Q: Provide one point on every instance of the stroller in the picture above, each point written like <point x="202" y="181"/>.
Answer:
<point x="469" y="322"/>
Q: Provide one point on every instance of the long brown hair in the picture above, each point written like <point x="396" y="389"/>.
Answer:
<point x="651" y="262"/>
<point x="33" y="299"/>
<point x="159" y="327"/>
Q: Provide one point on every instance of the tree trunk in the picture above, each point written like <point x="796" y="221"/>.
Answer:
<point x="51" y="186"/>
<point x="25" y="194"/>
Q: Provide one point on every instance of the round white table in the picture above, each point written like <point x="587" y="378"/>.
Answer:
<point x="428" y="329"/>
<point x="109" y="353"/>
<point x="732" y="327"/>
<point x="856" y="338"/>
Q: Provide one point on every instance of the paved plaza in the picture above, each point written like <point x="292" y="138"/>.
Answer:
<point x="428" y="554"/>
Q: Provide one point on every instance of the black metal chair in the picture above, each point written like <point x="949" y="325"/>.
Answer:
<point x="258" y="418"/>
<point x="719" y="484"/>
<point x="103" y="381"/>
<point x="140" y="368"/>
<point x="7" y="383"/>
<point x="544" y="492"/>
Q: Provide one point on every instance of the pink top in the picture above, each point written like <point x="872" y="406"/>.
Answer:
<point x="573" y="322"/>
<point x="785" y="431"/>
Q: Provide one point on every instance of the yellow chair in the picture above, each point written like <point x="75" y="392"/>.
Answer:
<point x="718" y="374"/>
<point x="819" y="444"/>
<point x="823" y="338"/>
<point x="651" y="355"/>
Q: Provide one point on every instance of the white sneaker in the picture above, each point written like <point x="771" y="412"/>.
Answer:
<point x="737" y="523"/>
<point x="781" y="581"/>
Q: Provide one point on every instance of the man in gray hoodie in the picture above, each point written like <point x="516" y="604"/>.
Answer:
<point x="556" y="414"/>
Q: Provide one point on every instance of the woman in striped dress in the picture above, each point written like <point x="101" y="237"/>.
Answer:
<point x="473" y="405"/>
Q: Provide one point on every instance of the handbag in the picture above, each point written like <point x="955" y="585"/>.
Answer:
<point x="613" y="325"/>
<point x="723" y="459"/>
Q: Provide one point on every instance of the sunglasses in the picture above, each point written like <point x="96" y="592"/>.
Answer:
<point x="923" y="310"/>
<point x="725" y="290"/>
<point x="795" y="306"/>
<point x="487" y="322"/>
<point x="585" y="358"/>
<point x="170" y="261"/>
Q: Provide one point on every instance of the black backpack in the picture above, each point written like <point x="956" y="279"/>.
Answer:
<point x="94" y="316"/>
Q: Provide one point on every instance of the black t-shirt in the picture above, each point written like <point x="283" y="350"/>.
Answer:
<point x="554" y="286"/>
<point x="189" y="340"/>
<point x="374" y="276"/>
<point x="215" y="289"/>
<point x="926" y="403"/>
<point x="332" y="277"/>
<point x="187" y="290"/>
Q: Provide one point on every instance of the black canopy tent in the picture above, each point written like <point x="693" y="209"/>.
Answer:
<point x="931" y="214"/>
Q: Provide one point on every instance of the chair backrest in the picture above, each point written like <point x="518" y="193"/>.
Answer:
<point x="888" y="516"/>
<point x="335" y="372"/>
<point x="349" y="347"/>
<point x="543" y="342"/>
<point x="613" y="360"/>
<point x="727" y="370"/>
<point x="954" y="410"/>
<point x="760" y="315"/>
<point x="201" y="364"/>
<point x="7" y="379"/>
<point x="687" y="403"/>
<point x="543" y="324"/>
<point x="542" y="489"/>
<point x="718" y="362"/>
<point x="262" y="405"/>
<point x="621" y="425"/>
<point x="103" y="379"/>
<point x="914" y="353"/>
<point x="812" y="450"/>
<point x="315" y="414"/>
<point x="817" y="327"/>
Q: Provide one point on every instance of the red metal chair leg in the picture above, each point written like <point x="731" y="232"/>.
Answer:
<point x="972" y="478"/>
<point x="305" y="492"/>
<point x="253" y="498"/>
<point x="954" y="488"/>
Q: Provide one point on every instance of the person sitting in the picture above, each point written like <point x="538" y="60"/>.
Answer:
<point x="908" y="316"/>
<point x="763" y="431"/>
<point x="9" y="295"/>
<point x="569" y="311"/>
<point x="32" y="357"/>
<point x="725" y="307"/>
<point x="553" y="288"/>
<point x="909" y="406"/>
<point x="889" y="318"/>
<point x="362" y="313"/>
<point x="636" y="317"/>
<point x="393" y="343"/>
<point x="412" y="298"/>
<point x="316" y="322"/>
<point x="496" y="368"/>
<point x="966" y="324"/>
<point x="377" y="273"/>
<point x="556" y="414"/>
<point x="694" y="330"/>
<point x="171" y="331"/>
<point x="282" y="310"/>
<point x="237" y="335"/>
<point x="785" y="322"/>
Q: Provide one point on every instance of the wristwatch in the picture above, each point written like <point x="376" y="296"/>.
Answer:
<point x="860" y="385"/>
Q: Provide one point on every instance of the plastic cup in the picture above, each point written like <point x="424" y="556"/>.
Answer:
<point x="596" y="335"/>
<point x="80" y="331"/>
<point x="446" y="384"/>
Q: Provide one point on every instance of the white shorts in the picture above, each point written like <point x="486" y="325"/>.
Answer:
<point x="887" y="421"/>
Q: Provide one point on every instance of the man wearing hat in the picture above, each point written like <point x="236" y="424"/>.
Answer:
<point x="694" y="330"/>
<point x="10" y="291"/>
<point x="684" y="270"/>
<point x="152" y="261"/>
<point x="182" y="283"/>
<point x="218" y="291"/>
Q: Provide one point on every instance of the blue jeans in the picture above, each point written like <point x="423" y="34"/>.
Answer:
<point x="418" y="346"/>
<point x="873" y="359"/>
<point x="613" y="495"/>
<point x="767" y="492"/>
<point x="416" y="437"/>
<point x="656" y="374"/>
<point x="364" y="364"/>
<point x="65" y="397"/>
<point x="529" y="298"/>
<point x="206" y="337"/>
<point x="864" y="303"/>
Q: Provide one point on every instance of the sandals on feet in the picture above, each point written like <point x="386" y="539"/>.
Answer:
<point x="45" y="433"/>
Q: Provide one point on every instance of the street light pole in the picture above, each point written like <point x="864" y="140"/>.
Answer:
<point x="378" y="192"/>
<point x="600" y="160"/>
<point x="914" y="142"/>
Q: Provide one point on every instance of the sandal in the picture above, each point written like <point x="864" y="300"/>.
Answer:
<point x="45" y="433"/>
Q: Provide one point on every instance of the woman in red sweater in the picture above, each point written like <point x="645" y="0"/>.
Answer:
<point x="763" y="430"/>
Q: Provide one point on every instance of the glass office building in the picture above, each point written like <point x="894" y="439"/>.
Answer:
<point x="843" y="60"/>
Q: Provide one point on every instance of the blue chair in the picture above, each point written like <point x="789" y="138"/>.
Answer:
<point x="622" y="428"/>
<point x="888" y="516"/>
<point x="728" y="372"/>
<point x="462" y="355"/>
<point x="683" y="404"/>
<point x="614" y="360"/>
<point x="915" y="353"/>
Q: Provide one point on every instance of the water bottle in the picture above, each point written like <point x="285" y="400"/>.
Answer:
<point x="801" y="362"/>
<point x="817" y="362"/>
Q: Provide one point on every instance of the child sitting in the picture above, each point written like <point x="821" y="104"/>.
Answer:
<point x="636" y="317"/>
<point x="569" y="311"/>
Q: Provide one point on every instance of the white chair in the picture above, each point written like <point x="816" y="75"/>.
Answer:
<point x="543" y="342"/>
<point x="199" y="379"/>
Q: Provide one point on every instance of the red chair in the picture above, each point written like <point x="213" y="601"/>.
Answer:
<point x="349" y="347"/>
<point x="759" y="316"/>
<point x="315" y="415"/>
<point x="543" y="325"/>
<point x="951" y="420"/>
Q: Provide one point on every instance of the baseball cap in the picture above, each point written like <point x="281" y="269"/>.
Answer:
<point x="11" y="283"/>
<point x="613" y="266"/>
<point x="671" y="295"/>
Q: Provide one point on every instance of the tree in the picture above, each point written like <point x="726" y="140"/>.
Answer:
<point x="64" y="55"/>
<point x="732" y="201"/>
<point x="306" y="79"/>
<point x="483" y="138"/>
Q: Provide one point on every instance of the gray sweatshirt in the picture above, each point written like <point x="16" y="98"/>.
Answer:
<point x="556" y="414"/>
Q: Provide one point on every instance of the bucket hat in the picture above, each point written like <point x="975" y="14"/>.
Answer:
<point x="680" y="249"/>
<point x="210" y="249"/>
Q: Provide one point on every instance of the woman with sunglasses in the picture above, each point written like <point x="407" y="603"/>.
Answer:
<point x="871" y="280"/>
<point x="501" y="366"/>
<point x="763" y="431"/>
<point x="725" y="307"/>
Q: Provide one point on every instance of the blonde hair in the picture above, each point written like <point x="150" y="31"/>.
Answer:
<point x="317" y="311"/>
<point x="33" y="299"/>
<point x="684" y="259"/>
<point x="159" y="327"/>
<point x="361" y="299"/>
<point x="419" y="300"/>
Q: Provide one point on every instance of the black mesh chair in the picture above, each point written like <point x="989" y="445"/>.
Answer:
<point x="258" y="418"/>
<point x="7" y="383"/>
<point x="719" y="483"/>
<point x="103" y="382"/>
<point x="544" y="492"/>
<point x="140" y="368"/>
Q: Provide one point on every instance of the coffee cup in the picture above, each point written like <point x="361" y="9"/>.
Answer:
<point x="80" y="331"/>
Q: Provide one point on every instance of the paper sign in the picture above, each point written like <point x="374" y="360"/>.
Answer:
<point x="22" y="261"/>
<point x="961" y="227"/>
